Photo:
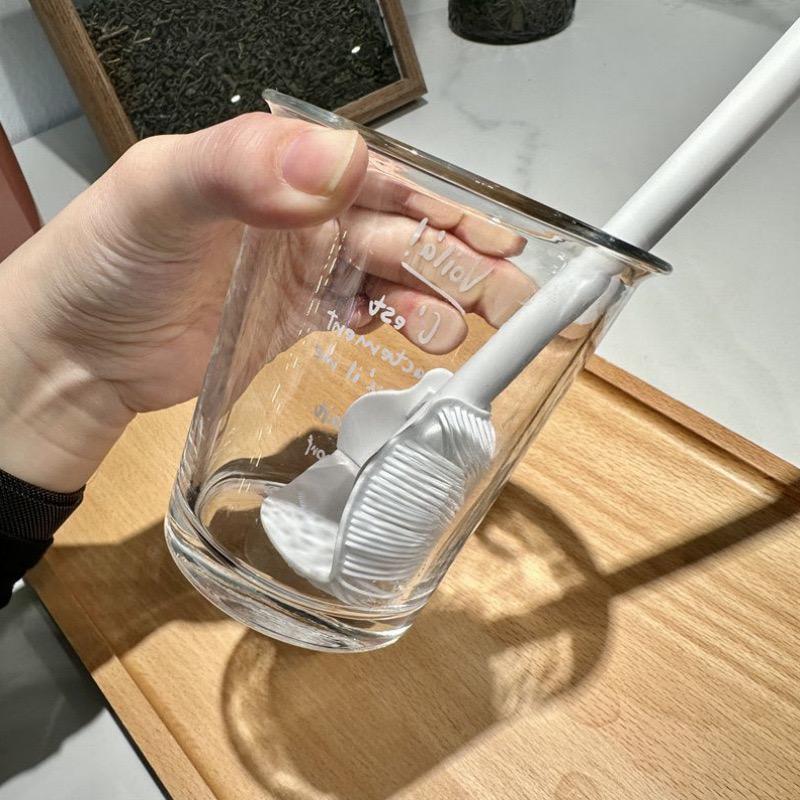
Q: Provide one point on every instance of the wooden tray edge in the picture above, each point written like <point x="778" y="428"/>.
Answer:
<point x="750" y="453"/>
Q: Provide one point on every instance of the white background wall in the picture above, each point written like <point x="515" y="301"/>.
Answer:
<point x="34" y="92"/>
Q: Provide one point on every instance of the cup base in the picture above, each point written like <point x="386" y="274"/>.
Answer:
<point x="218" y="580"/>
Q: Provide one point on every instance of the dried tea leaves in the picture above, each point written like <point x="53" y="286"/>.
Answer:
<point x="178" y="67"/>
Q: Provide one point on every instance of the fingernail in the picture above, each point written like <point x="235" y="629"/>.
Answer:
<point x="315" y="161"/>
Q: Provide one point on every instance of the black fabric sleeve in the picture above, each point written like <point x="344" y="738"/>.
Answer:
<point x="29" y="516"/>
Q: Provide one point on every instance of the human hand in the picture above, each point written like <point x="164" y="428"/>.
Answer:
<point x="112" y="308"/>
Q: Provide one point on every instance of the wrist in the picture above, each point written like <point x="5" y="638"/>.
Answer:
<point x="57" y="422"/>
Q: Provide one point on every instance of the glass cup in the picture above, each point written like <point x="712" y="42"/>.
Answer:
<point x="327" y="482"/>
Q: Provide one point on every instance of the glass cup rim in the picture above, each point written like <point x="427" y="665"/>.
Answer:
<point x="475" y="184"/>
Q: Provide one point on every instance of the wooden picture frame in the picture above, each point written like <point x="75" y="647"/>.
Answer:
<point x="96" y="93"/>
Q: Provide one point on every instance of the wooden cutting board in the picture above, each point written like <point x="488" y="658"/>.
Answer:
<point x="624" y="625"/>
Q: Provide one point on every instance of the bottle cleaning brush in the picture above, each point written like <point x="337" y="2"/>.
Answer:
<point x="363" y="520"/>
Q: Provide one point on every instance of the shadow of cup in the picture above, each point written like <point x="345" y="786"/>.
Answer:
<point x="521" y="617"/>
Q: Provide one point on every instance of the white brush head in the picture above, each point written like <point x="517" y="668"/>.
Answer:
<point x="302" y="518"/>
<point x="406" y="496"/>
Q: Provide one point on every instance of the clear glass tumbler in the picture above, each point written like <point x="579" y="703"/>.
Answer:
<point x="326" y="486"/>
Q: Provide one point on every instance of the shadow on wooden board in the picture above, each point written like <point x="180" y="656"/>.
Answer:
<point x="362" y="727"/>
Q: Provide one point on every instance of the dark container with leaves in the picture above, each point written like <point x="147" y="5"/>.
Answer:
<point x="509" y="21"/>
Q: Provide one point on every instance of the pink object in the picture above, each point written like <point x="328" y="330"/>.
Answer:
<point x="19" y="218"/>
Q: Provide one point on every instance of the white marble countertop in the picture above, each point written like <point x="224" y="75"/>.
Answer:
<point x="578" y="122"/>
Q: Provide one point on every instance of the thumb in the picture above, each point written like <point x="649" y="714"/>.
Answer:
<point x="260" y="169"/>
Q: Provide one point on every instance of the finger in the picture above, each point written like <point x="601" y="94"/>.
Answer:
<point x="258" y="169"/>
<point x="489" y="237"/>
<point x="382" y="192"/>
<point x="407" y="253"/>
<point x="425" y="320"/>
<point x="360" y="319"/>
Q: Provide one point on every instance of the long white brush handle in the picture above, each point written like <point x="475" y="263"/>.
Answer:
<point x="737" y="123"/>
<point x="720" y="141"/>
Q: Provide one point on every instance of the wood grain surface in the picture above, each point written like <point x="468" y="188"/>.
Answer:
<point x="91" y="83"/>
<point x="623" y="625"/>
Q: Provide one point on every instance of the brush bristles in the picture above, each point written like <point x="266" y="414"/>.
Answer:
<point x="468" y="439"/>
<point x="407" y="497"/>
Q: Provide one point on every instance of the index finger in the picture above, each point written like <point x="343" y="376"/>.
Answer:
<point x="383" y="191"/>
